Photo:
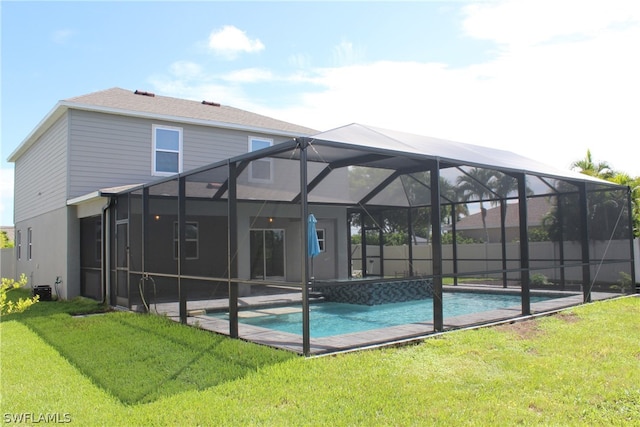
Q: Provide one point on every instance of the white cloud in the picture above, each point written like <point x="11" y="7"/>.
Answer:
<point x="230" y="41"/>
<point x="185" y="69"/>
<point x="554" y="89"/>
<point x="550" y="102"/>
<point x="62" y="36"/>
<point x="530" y="22"/>
<point x="189" y="80"/>
<point x="345" y="54"/>
<point x="300" y="61"/>
<point x="249" y="75"/>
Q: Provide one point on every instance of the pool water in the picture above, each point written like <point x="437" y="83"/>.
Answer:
<point x="332" y="318"/>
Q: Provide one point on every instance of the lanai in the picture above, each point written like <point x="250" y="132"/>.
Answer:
<point x="359" y="174"/>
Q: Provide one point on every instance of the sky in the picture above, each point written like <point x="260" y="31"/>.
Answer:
<point x="547" y="79"/>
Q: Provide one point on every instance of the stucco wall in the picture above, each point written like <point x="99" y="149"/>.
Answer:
<point x="49" y="251"/>
<point x="8" y="263"/>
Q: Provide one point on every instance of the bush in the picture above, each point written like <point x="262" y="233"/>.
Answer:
<point x="539" y="279"/>
<point x="7" y="307"/>
<point x="624" y="283"/>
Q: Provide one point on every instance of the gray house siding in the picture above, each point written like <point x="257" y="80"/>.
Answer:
<point x="81" y="148"/>
<point x="107" y="150"/>
<point x="40" y="174"/>
<point x="203" y="145"/>
<point x="110" y="150"/>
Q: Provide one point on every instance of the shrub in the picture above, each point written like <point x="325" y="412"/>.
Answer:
<point x="539" y="279"/>
<point x="7" y="307"/>
<point x="624" y="283"/>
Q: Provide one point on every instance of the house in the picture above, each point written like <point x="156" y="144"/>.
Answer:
<point x="93" y="145"/>
<point x="133" y="198"/>
<point x="471" y="225"/>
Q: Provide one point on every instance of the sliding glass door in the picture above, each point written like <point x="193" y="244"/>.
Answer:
<point x="267" y="254"/>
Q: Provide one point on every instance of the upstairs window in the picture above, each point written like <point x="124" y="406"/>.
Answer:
<point x="260" y="170"/>
<point x="167" y="150"/>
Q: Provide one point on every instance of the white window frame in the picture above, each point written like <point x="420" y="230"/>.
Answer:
<point x="322" y="239"/>
<point x="155" y="128"/>
<point x="18" y="244"/>
<point x="176" y="239"/>
<point x="270" y="161"/>
<point x="29" y="243"/>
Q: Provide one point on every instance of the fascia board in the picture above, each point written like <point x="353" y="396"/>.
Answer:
<point x="84" y="198"/>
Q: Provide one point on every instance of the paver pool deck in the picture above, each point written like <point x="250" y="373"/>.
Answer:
<point x="272" y="304"/>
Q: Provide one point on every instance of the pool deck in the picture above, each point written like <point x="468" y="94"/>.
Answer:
<point x="373" y="338"/>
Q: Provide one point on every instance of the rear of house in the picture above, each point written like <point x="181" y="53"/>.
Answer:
<point x="89" y="146"/>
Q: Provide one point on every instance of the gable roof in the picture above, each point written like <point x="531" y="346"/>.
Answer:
<point x="537" y="208"/>
<point x="146" y="105"/>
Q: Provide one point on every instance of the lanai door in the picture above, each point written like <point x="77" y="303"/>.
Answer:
<point x="121" y="285"/>
<point x="267" y="254"/>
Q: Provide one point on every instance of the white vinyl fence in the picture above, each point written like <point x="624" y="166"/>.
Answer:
<point x="480" y="258"/>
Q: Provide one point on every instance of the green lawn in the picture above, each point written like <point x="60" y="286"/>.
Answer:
<point x="581" y="367"/>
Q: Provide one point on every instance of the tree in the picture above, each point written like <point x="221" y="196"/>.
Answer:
<point x="5" y="242"/>
<point x="7" y="306"/>
<point x="587" y="166"/>
<point x="604" y="206"/>
<point x="634" y="187"/>
<point x="602" y="170"/>
<point x="477" y="184"/>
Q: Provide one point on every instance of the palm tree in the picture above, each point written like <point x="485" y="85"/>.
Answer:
<point x="478" y="183"/>
<point x="634" y="187"/>
<point x="596" y="169"/>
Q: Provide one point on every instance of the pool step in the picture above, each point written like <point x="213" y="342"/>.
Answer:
<point x="268" y="311"/>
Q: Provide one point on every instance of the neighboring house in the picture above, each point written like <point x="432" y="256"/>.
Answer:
<point x="92" y="145"/>
<point x="471" y="225"/>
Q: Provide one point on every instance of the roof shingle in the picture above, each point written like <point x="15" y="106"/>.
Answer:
<point x="127" y="100"/>
<point x="537" y="209"/>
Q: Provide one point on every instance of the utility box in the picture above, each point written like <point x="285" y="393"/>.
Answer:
<point x="44" y="291"/>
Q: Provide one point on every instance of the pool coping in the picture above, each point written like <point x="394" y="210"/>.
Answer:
<point x="392" y="335"/>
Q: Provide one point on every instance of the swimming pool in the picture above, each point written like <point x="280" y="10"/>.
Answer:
<point x="332" y="318"/>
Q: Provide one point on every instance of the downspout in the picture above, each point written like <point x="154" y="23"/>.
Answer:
<point x="106" y="246"/>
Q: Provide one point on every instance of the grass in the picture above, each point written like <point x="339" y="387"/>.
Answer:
<point x="581" y="367"/>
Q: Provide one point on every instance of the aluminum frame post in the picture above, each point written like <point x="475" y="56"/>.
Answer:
<point x="232" y="247"/>
<point x="182" y="221"/>
<point x="525" y="291"/>
<point x="436" y="246"/>
<point x="304" y="249"/>
<point x="584" y="239"/>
